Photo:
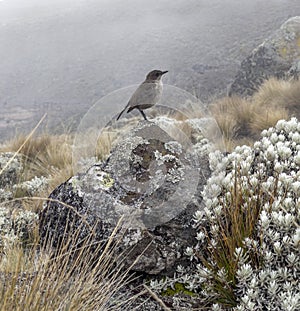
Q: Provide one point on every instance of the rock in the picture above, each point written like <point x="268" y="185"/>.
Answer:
<point x="151" y="180"/>
<point x="275" y="57"/>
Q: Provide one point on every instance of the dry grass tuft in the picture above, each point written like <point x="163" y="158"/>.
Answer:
<point x="242" y="120"/>
<point x="293" y="99"/>
<point x="266" y="117"/>
<point x="275" y="93"/>
<point x="272" y="93"/>
<point x="46" y="155"/>
<point x="234" y="116"/>
<point x="274" y="101"/>
<point x="36" y="279"/>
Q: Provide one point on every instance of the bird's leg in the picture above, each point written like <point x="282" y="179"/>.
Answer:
<point x="143" y="114"/>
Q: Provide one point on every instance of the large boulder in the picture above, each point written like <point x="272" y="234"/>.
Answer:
<point x="278" y="56"/>
<point x="151" y="180"/>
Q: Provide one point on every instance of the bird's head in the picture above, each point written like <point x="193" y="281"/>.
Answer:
<point x="155" y="75"/>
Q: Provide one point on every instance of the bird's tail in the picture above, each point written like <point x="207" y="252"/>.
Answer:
<point x="119" y="116"/>
<point x="130" y="108"/>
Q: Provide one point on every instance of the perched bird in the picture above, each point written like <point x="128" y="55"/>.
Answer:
<point x="147" y="94"/>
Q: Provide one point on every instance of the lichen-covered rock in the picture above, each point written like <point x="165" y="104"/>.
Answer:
<point x="152" y="181"/>
<point x="275" y="57"/>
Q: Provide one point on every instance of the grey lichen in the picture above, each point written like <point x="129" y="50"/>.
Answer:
<point x="174" y="147"/>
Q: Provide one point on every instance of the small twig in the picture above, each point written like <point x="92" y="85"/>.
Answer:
<point x="154" y="296"/>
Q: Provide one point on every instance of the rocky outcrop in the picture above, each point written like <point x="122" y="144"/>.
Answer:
<point x="278" y="56"/>
<point x="153" y="182"/>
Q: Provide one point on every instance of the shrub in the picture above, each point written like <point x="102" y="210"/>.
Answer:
<point x="248" y="250"/>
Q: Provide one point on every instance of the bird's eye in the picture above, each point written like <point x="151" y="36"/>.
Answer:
<point x="157" y="74"/>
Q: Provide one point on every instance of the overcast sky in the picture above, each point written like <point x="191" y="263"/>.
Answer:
<point x="72" y="52"/>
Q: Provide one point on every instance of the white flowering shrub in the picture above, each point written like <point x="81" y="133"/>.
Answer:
<point x="16" y="227"/>
<point x="248" y="250"/>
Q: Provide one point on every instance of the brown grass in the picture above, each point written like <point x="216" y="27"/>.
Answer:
<point x="46" y="155"/>
<point x="34" y="279"/>
<point x="279" y="94"/>
<point x="234" y="116"/>
<point x="266" y="117"/>
<point x="277" y="99"/>
<point x="241" y="120"/>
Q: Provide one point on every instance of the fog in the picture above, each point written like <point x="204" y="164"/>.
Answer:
<point x="61" y="56"/>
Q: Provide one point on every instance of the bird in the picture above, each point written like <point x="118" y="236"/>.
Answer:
<point x="147" y="94"/>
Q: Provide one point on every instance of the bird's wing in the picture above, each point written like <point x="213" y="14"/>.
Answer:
<point x="145" y="94"/>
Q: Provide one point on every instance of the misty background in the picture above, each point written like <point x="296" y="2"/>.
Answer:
<point x="61" y="56"/>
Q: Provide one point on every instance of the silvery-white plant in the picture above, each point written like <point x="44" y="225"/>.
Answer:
<point x="15" y="227"/>
<point x="267" y="261"/>
<point x="34" y="186"/>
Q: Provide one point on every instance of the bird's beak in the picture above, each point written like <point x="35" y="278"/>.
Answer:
<point x="164" y="72"/>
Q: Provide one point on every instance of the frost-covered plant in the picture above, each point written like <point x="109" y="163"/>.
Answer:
<point x="11" y="167"/>
<point x="14" y="178"/>
<point x="16" y="227"/>
<point x="5" y="195"/>
<point x="248" y="249"/>
<point x="32" y="187"/>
